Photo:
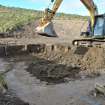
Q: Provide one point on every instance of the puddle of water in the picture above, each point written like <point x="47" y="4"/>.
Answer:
<point x="30" y="89"/>
<point x="90" y="101"/>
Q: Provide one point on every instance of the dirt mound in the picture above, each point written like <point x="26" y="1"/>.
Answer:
<point x="89" y="58"/>
<point x="94" y="58"/>
<point x="59" y="64"/>
<point x="52" y="72"/>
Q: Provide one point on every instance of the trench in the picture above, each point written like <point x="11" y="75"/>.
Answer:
<point x="58" y="60"/>
<point x="58" y="74"/>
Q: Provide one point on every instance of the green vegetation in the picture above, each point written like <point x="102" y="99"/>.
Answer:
<point x="69" y="16"/>
<point x="3" y="84"/>
<point x="14" y="18"/>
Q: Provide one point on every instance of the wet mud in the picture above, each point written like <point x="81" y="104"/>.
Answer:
<point x="52" y="73"/>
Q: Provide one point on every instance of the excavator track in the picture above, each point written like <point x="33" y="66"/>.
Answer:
<point x="89" y="42"/>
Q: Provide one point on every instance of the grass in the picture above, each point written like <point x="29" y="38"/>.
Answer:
<point x="70" y="16"/>
<point x="3" y="84"/>
<point x="17" y="17"/>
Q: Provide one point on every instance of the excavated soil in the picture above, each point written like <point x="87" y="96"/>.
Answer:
<point x="52" y="60"/>
<point x="51" y="72"/>
<point x="58" y="65"/>
<point x="56" y="58"/>
<point x="42" y="82"/>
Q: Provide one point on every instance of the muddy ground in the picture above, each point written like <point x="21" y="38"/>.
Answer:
<point x="10" y="99"/>
<point x="38" y="88"/>
<point x="58" y="75"/>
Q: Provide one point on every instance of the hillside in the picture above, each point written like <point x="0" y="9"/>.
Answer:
<point x="13" y="18"/>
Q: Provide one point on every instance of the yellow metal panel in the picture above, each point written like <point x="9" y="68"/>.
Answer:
<point x="92" y="10"/>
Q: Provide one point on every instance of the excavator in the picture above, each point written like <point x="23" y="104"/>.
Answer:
<point x="95" y="34"/>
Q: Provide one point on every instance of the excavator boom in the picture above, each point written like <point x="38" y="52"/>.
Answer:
<point x="89" y="4"/>
<point x="45" y="26"/>
<point x="56" y="5"/>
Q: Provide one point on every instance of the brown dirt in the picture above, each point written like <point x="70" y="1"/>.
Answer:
<point x="90" y="58"/>
<point x="51" y="72"/>
<point x="61" y="61"/>
<point x="56" y="65"/>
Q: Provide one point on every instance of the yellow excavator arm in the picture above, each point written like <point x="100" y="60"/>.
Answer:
<point x="45" y="25"/>
<point x="92" y="8"/>
<point x="50" y="13"/>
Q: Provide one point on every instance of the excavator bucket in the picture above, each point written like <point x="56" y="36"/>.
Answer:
<point x="46" y="30"/>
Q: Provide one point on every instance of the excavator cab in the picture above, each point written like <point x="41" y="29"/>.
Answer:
<point x="99" y="28"/>
<point x="95" y="37"/>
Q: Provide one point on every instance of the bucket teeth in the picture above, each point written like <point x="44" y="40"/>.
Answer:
<point x="46" y="30"/>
